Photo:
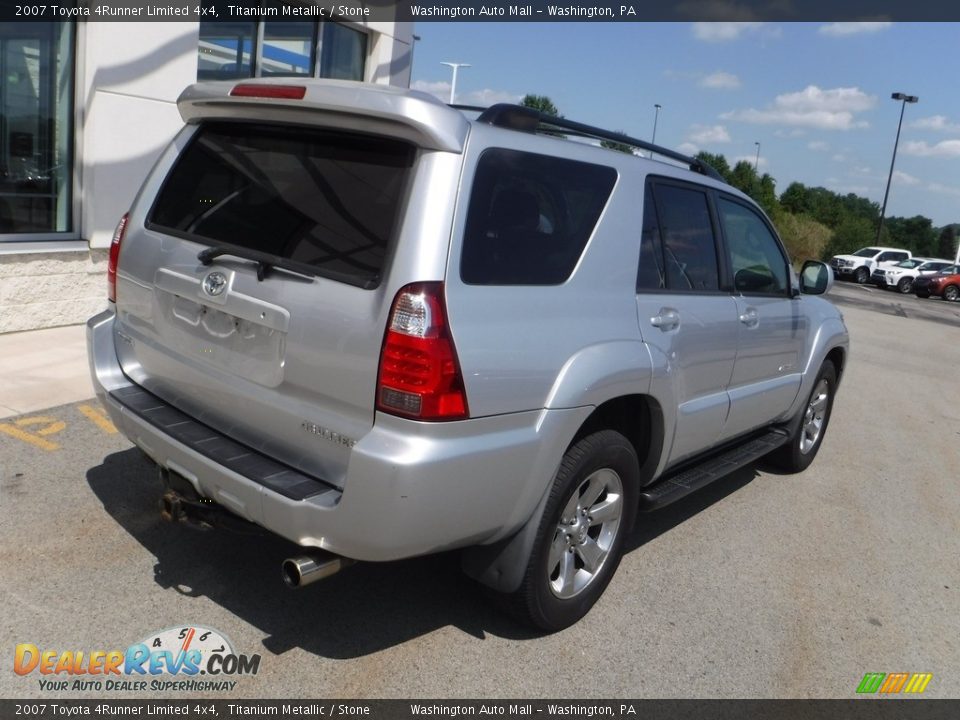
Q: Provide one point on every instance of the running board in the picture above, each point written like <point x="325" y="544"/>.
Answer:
<point x="680" y="484"/>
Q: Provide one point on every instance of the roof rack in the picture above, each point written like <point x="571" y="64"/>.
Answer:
<point x="524" y="119"/>
<point x="468" y="108"/>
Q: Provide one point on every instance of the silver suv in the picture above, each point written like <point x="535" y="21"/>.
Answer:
<point x="381" y="329"/>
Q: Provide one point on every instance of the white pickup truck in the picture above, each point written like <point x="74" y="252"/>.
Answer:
<point x="863" y="262"/>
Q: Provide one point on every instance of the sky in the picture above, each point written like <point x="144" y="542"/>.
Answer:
<point x="816" y="96"/>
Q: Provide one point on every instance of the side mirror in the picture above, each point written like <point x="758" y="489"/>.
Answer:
<point x="816" y="278"/>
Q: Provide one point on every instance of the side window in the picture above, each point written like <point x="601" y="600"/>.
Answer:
<point x="686" y="233"/>
<point x="530" y="217"/>
<point x="756" y="261"/>
<point x="650" y="275"/>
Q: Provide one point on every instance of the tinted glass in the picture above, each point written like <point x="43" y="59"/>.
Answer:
<point x="650" y="276"/>
<point x="36" y="126"/>
<point x="343" y="50"/>
<point x="287" y="49"/>
<point x="689" y="250"/>
<point x="756" y="262"/>
<point x="530" y="217"/>
<point x="326" y="200"/>
<point x="225" y="50"/>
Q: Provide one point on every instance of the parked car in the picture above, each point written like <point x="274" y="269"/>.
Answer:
<point x="902" y="275"/>
<point x="863" y="262"/>
<point x="380" y="329"/>
<point x="945" y="284"/>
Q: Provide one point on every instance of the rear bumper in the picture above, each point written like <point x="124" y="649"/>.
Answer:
<point x="411" y="488"/>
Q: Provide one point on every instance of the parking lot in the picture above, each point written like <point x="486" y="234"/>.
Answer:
<point x="761" y="585"/>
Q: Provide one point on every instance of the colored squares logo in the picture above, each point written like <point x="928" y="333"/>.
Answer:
<point x="894" y="683"/>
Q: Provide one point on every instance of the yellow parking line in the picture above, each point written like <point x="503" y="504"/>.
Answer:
<point x="35" y="438"/>
<point x="99" y="418"/>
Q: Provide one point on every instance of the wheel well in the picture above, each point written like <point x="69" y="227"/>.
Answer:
<point x="837" y="357"/>
<point x="639" y="419"/>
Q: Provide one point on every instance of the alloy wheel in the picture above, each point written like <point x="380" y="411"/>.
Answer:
<point x="814" y="416"/>
<point x="585" y="534"/>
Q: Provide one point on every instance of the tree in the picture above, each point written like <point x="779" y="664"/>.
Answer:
<point x="618" y="146"/>
<point x="717" y="162"/>
<point x="947" y="243"/>
<point x="743" y="177"/>
<point x="766" y="195"/>
<point x="914" y="234"/>
<point x="796" y="199"/>
<point x="541" y="103"/>
<point x="804" y="237"/>
<point x="850" y="235"/>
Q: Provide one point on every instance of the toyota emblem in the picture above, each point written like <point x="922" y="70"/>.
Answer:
<point x="214" y="283"/>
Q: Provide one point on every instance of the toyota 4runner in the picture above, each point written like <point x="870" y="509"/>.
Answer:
<point x="381" y="327"/>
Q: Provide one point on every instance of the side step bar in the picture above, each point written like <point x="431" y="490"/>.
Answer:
<point x="692" y="478"/>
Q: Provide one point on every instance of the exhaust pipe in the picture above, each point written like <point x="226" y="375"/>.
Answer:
<point x="317" y="565"/>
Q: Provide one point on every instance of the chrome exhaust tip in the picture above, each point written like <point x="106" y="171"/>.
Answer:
<point x="306" y="569"/>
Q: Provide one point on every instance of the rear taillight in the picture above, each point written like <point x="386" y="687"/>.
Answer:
<point x="419" y="374"/>
<point x="286" y="92"/>
<point x="115" y="257"/>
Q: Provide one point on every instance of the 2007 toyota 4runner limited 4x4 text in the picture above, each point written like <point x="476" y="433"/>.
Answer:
<point x="381" y="328"/>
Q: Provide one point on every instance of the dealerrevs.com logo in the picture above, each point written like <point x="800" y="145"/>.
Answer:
<point x="190" y="659"/>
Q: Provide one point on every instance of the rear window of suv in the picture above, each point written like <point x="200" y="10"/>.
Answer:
<point x="530" y="217"/>
<point x="320" y="201"/>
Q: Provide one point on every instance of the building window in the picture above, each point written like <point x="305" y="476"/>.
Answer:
<point x="232" y="50"/>
<point x="226" y="49"/>
<point x="36" y="109"/>
<point x="287" y="48"/>
<point x="343" y="52"/>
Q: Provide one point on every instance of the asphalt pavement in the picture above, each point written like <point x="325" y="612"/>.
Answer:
<point x="761" y="585"/>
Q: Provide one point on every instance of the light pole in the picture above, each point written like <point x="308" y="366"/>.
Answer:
<point x="904" y="99"/>
<point x="453" y="85"/>
<point x="756" y="163"/>
<point x="656" y="117"/>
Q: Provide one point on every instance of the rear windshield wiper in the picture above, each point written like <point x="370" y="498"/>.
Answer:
<point x="265" y="263"/>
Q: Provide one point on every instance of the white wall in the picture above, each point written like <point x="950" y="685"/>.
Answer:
<point x="130" y="77"/>
<point x="390" y="59"/>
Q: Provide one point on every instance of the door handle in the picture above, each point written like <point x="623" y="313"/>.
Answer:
<point x="668" y="319"/>
<point x="749" y="317"/>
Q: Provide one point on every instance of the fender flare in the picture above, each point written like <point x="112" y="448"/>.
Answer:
<point x="593" y="376"/>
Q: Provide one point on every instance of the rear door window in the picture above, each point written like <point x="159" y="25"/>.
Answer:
<point x="677" y="246"/>
<point x="530" y="217"/>
<point x="320" y="201"/>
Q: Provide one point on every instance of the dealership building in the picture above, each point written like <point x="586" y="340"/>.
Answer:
<point x="87" y="107"/>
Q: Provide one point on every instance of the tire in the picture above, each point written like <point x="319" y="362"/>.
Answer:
<point x="922" y="294"/>
<point x="559" y="585"/>
<point x="811" y="425"/>
<point x="951" y="293"/>
<point x="905" y="285"/>
<point x="861" y="275"/>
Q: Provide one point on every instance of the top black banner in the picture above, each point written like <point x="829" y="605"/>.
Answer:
<point x="475" y="11"/>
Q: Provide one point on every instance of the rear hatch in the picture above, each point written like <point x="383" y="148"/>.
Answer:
<point x="254" y="279"/>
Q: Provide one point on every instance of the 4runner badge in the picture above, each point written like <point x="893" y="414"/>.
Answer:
<point x="214" y="283"/>
<point x="334" y="437"/>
